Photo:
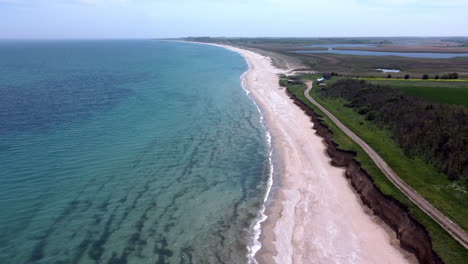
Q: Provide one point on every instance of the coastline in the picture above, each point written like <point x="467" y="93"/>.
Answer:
<point x="255" y="244"/>
<point x="315" y="214"/>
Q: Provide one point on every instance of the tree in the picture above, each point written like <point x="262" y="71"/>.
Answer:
<point x="436" y="77"/>
<point x="453" y="75"/>
<point x="389" y="76"/>
<point x="425" y="77"/>
<point x="406" y="76"/>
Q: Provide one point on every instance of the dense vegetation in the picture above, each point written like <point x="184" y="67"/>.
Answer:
<point x="436" y="132"/>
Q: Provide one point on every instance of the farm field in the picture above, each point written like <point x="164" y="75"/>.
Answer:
<point x="441" y="91"/>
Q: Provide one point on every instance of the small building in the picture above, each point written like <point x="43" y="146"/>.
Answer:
<point x="291" y="81"/>
<point x="322" y="84"/>
<point x="320" y="80"/>
<point x="327" y="76"/>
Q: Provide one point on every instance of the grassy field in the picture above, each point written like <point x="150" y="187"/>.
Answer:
<point x="422" y="177"/>
<point x="365" y="65"/>
<point x="442" y="91"/>
<point x="420" y="82"/>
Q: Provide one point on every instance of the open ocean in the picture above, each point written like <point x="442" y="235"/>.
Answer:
<point x="130" y="151"/>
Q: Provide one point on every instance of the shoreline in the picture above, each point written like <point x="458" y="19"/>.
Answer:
<point x="255" y="244"/>
<point x="316" y="214"/>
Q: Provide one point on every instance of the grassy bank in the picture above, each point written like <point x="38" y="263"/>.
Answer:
<point x="449" y="250"/>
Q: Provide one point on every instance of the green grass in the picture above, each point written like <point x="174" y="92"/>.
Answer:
<point x="422" y="177"/>
<point x="442" y="91"/>
<point x="421" y="82"/>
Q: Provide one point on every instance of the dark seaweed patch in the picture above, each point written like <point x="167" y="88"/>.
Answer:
<point x="186" y="255"/>
<point x="82" y="247"/>
<point x="162" y="251"/>
<point x="97" y="248"/>
<point x="38" y="251"/>
<point x="116" y="260"/>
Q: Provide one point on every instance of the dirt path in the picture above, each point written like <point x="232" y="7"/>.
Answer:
<point x="452" y="228"/>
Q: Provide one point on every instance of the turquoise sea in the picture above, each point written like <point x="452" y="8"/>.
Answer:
<point x="127" y="151"/>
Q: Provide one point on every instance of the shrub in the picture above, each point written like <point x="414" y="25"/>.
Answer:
<point x="371" y="116"/>
<point x="363" y="110"/>
<point x="453" y="75"/>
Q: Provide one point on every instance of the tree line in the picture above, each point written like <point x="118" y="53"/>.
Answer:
<point x="453" y="75"/>
<point x="438" y="133"/>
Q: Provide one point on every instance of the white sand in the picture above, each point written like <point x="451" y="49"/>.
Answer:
<point x="316" y="217"/>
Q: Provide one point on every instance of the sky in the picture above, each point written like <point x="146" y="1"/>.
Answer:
<point x="96" y="19"/>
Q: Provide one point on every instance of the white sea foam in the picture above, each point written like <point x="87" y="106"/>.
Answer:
<point x="254" y="244"/>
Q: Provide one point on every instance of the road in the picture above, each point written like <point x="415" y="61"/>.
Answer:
<point x="452" y="228"/>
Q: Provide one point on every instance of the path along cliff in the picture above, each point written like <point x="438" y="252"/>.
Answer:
<point x="452" y="228"/>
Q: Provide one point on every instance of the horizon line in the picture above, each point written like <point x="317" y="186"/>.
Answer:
<point x="222" y="37"/>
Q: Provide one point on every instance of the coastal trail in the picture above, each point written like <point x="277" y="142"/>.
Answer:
<point x="452" y="228"/>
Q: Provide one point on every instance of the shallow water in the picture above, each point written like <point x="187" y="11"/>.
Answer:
<point x="127" y="152"/>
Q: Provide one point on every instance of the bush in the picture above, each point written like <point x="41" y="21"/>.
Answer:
<point x="406" y="76"/>
<point x="389" y="76"/>
<point x="425" y="77"/>
<point x="371" y="116"/>
<point x="453" y="75"/>
<point x="363" y="110"/>
<point x="436" y="77"/>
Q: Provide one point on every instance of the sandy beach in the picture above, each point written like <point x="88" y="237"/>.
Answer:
<point x="316" y="217"/>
